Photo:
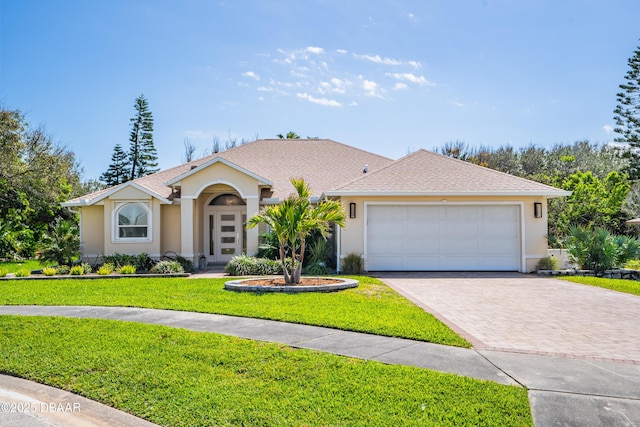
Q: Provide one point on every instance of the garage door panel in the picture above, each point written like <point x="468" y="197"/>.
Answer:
<point x="422" y="213"/>
<point x="422" y="247"/>
<point x="421" y="229"/>
<point x="443" y="237"/>
<point x="386" y="228"/>
<point x="499" y="229"/>
<point x="386" y="246"/>
<point x="459" y="229"/>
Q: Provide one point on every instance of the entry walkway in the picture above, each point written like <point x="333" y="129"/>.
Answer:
<point x="562" y="391"/>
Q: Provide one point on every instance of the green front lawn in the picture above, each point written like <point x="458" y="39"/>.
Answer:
<point x="373" y="307"/>
<point x="175" y="377"/>
<point x="12" y="267"/>
<point x="620" y="285"/>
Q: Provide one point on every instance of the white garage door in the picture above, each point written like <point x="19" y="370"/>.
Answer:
<point x="443" y="238"/>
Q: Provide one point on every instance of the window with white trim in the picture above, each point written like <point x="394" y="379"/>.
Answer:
<point x="132" y="222"/>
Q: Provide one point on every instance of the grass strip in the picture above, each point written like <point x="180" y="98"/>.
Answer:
<point x="373" y="307"/>
<point x="12" y="267"/>
<point x="620" y="285"/>
<point x="175" y="377"/>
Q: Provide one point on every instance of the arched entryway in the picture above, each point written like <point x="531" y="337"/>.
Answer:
<point x="225" y="217"/>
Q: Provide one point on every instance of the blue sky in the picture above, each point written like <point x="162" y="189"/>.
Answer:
<point x="386" y="76"/>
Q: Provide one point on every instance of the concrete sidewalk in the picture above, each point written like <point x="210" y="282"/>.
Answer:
<point x="562" y="391"/>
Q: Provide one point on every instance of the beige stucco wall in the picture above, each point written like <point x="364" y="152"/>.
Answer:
<point x="170" y="228"/>
<point x="92" y="231"/>
<point x="535" y="229"/>
<point x="127" y="195"/>
<point x="219" y="173"/>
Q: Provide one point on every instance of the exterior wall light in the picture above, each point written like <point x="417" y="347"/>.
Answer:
<point x="537" y="210"/>
<point x="352" y="210"/>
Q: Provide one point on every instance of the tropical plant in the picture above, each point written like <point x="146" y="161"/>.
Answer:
<point x="352" y="264"/>
<point x="105" y="269"/>
<point x="599" y="250"/>
<point x="62" y="269"/>
<point x="61" y="244"/>
<point x="3" y="272"/>
<point x="319" y="257"/>
<point x="167" y="267"/>
<point x="127" y="269"/>
<point x="76" y="270"/>
<point x="49" y="271"/>
<point x="294" y="219"/>
<point x="142" y="262"/>
<point x="23" y="273"/>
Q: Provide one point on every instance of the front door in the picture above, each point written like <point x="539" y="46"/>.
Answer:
<point x="228" y="235"/>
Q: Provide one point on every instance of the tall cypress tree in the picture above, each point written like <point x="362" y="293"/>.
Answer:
<point x="627" y="115"/>
<point x="143" y="157"/>
<point x="118" y="171"/>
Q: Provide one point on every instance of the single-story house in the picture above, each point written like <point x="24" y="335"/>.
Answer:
<point x="423" y="212"/>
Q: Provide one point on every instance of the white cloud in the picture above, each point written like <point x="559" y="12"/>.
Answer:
<point x="456" y="103"/>
<point x="410" y="77"/>
<point x="313" y="49"/>
<point x="387" y="61"/>
<point x="251" y="75"/>
<point x="342" y="51"/>
<point x="607" y="128"/>
<point x="400" y="86"/>
<point x="371" y="88"/>
<point x="322" y="101"/>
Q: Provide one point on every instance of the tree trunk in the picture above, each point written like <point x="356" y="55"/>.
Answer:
<point x="287" y="277"/>
<point x="298" y="272"/>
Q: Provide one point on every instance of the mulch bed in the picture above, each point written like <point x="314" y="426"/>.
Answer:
<point x="305" y="281"/>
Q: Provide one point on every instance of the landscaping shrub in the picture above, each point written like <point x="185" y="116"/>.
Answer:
<point x="86" y="268"/>
<point x="141" y="262"/>
<point x="634" y="264"/>
<point x="3" y="272"/>
<point x="49" y="271"/>
<point x="167" y="267"/>
<point x="547" y="263"/>
<point x="245" y="265"/>
<point x="61" y="244"/>
<point x="599" y="250"/>
<point x="319" y="257"/>
<point x="187" y="265"/>
<point x="23" y="273"/>
<point x="105" y="269"/>
<point x="353" y="264"/>
<point x="76" y="270"/>
<point x="127" y="269"/>
<point x="63" y="269"/>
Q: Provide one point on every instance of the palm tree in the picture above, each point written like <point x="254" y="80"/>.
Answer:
<point x="293" y="220"/>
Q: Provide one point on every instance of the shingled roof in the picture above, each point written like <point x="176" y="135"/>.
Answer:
<point x="323" y="163"/>
<point x="427" y="173"/>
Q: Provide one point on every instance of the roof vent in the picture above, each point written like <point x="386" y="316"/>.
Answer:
<point x="366" y="169"/>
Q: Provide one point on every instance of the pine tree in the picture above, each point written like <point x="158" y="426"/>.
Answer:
<point x="143" y="157"/>
<point x="627" y="115"/>
<point x="118" y="171"/>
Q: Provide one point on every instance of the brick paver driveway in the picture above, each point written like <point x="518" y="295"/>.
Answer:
<point x="526" y="313"/>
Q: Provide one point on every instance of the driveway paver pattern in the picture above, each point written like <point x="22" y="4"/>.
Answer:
<point x="531" y="314"/>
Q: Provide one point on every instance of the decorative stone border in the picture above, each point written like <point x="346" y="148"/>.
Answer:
<point x="609" y="274"/>
<point x="240" y="286"/>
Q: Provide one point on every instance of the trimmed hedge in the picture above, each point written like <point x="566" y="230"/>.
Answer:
<point x="245" y="265"/>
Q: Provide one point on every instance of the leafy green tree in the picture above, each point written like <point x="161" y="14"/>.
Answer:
<point x="293" y="220"/>
<point x="143" y="157"/>
<point x="119" y="169"/>
<point x="593" y="203"/>
<point x="36" y="175"/>
<point x="627" y="114"/>
<point x="598" y="250"/>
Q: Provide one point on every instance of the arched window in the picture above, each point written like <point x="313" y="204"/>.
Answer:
<point x="132" y="222"/>
<point x="227" y="200"/>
